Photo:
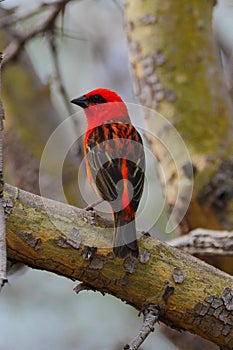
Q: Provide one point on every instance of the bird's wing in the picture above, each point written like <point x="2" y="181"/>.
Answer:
<point x="115" y="152"/>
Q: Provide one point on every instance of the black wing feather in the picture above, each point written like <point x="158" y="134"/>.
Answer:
<point x="105" y="160"/>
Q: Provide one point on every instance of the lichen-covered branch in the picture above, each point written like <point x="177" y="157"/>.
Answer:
<point x="191" y="295"/>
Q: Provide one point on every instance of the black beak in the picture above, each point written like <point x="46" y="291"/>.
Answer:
<point x="81" y="101"/>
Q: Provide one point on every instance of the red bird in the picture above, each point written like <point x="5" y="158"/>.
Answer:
<point x="115" y="162"/>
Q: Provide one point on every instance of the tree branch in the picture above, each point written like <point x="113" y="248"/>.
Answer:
<point x="45" y="234"/>
<point x="151" y="316"/>
<point x="14" y="48"/>
<point x="215" y="247"/>
<point x="59" y="79"/>
<point x="203" y="242"/>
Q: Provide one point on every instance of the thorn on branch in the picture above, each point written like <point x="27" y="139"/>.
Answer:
<point x="83" y="286"/>
<point x="167" y="293"/>
<point x="151" y="315"/>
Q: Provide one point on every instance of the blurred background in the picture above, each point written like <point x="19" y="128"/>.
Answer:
<point x="39" y="310"/>
<point x="85" y="49"/>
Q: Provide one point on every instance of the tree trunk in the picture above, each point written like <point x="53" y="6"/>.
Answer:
<point x="176" y="71"/>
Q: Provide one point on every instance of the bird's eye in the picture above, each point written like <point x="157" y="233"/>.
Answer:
<point x="97" y="99"/>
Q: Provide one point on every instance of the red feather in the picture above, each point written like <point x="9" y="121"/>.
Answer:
<point x="115" y="161"/>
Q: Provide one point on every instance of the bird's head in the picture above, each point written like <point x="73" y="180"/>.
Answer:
<point x="96" y="97"/>
<point x="102" y="105"/>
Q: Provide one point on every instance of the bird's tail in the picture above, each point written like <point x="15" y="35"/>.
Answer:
<point x="125" y="242"/>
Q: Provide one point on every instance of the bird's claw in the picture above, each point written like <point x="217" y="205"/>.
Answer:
<point x="91" y="209"/>
<point x="92" y="212"/>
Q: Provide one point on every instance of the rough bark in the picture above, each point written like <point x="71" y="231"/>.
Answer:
<point x="191" y="294"/>
<point x="176" y="70"/>
<point x="214" y="247"/>
<point x="206" y="242"/>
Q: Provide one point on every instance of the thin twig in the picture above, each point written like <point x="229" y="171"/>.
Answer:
<point x="69" y="34"/>
<point x="59" y="80"/>
<point x="3" y="258"/>
<point x="151" y="315"/>
<point x="10" y="19"/>
<point x="18" y="43"/>
<point x="61" y="86"/>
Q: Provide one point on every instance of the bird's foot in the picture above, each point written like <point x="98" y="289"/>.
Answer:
<point x="92" y="211"/>
<point x="93" y="214"/>
<point x="94" y="204"/>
